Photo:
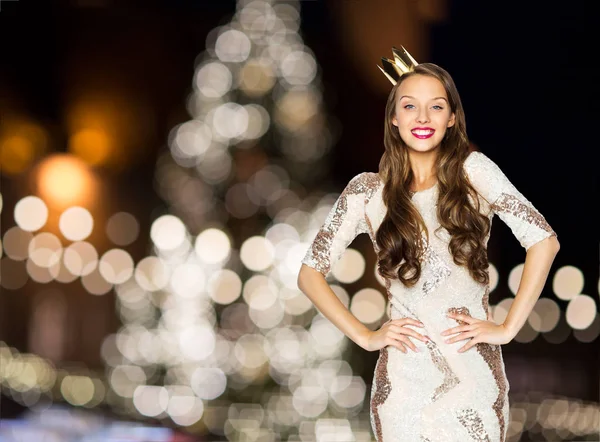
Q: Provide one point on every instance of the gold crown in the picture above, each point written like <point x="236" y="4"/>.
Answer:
<point x="400" y="65"/>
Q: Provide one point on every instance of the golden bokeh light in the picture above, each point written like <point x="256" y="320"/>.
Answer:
<point x="256" y="77"/>
<point x="77" y="390"/>
<point x="16" y="155"/>
<point x="63" y="180"/>
<point x="94" y="146"/>
<point x="23" y="142"/>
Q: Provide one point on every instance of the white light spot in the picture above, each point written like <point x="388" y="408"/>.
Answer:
<point x="257" y="253"/>
<point x="168" y="232"/>
<point x="31" y="213"/>
<point x="76" y="223"/>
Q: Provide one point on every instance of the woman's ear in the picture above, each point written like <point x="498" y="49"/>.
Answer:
<point x="452" y="120"/>
<point x="394" y="121"/>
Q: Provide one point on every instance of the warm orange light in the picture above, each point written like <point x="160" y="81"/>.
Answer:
<point x="64" y="180"/>
<point x="16" y="154"/>
<point x="22" y="143"/>
<point x="92" y="145"/>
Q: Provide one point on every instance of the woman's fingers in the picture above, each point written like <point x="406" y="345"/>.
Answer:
<point x="461" y="336"/>
<point x="458" y="329"/>
<point x="411" y="332"/>
<point x="405" y="321"/>
<point x="403" y="339"/>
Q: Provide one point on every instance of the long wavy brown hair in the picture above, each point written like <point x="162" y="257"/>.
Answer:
<point x="399" y="238"/>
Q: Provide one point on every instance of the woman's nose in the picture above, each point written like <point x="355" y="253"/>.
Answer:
<point x="422" y="117"/>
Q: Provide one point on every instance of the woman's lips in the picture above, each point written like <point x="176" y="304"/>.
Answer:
<point x="423" y="132"/>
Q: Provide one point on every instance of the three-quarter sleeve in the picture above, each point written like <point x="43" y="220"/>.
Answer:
<point x="526" y="223"/>
<point x="345" y="221"/>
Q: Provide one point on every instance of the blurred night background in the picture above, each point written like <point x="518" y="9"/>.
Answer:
<point x="165" y="164"/>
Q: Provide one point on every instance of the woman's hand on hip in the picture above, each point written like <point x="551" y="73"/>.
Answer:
<point x="476" y="330"/>
<point x="394" y="332"/>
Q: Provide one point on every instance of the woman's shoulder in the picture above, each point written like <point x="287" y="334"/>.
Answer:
<point x="368" y="179"/>
<point x="365" y="183"/>
<point x="478" y="161"/>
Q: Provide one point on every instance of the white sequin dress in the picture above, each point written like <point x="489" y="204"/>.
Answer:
<point x="437" y="394"/>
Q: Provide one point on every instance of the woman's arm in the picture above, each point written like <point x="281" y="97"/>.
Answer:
<point x="538" y="260"/>
<point x="312" y="283"/>
<point x="346" y="220"/>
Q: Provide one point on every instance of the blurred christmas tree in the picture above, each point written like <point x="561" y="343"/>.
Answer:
<point x="216" y="335"/>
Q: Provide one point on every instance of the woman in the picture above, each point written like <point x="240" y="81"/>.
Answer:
<point x="440" y="374"/>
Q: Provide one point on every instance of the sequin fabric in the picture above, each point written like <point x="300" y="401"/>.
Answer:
<point x="382" y="388"/>
<point x="474" y="425"/>
<point x="450" y="378"/>
<point x="436" y="394"/>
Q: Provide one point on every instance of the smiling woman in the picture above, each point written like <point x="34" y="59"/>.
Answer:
<point x="428" y="213"/>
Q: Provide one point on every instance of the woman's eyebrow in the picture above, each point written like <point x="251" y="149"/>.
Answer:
<point x="436" y="98"/>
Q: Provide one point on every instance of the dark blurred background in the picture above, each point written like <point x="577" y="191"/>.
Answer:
<point x="98" y="88"/>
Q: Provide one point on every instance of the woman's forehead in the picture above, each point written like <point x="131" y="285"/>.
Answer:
<point x="421" y="86"/>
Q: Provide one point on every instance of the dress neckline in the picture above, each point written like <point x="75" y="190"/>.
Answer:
<point x="413" y="192"/>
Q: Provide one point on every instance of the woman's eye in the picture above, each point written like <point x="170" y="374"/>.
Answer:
<point x="408" y="106"/>
<point x="437" y="107"/>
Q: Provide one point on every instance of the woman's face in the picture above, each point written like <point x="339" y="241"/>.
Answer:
<point x="422" y="112"/>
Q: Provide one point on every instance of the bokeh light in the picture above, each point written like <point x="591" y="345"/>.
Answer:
<point x="16" y="243"/>
<point x="350" y="267"/>
<point x="45" y="249"/>
<point x="212" y="246"/>
<point x="567" y="282"/>
<point x="514" y="278"/>
<point x="581" y="311"/>
<point x="368" y="305"/>
<point x="122" y="228"/>
<point x="80" y="258"/>
<point x="168" y="232"/>
<point x="63" y="180"/>
<point x="31" y="213"/>
<point x="76" y="223"/>
<point x="116" y="266"/>
<point x="257" y="253"/>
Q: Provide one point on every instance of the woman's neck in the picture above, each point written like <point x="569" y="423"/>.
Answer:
<point x="423" y="169"/>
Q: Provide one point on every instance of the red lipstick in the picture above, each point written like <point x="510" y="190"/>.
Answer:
<point x="422" y="133"/>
